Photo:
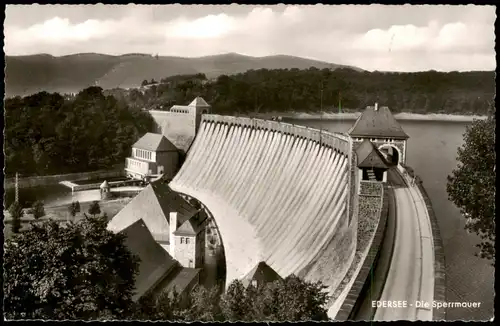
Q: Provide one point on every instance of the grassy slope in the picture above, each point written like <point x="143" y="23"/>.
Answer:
<point x="71" y="73"/>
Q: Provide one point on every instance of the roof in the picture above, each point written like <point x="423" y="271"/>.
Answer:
<point x="199" y="102"/>
<point x="179" y="279"/>
<point x="369" y="156"/>
<point x="191" y="226"/>
<point x="153" y="205"/>
<point x="261" y="273"/>
<point x="377" y="123"/>
<point x="155" y="263"/>
<point x="104" y="184"/>
<point x="154" y="142"/>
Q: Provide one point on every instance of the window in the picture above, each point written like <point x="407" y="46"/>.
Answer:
<point x="187" y="240"/>
<point x="182" y="239"/>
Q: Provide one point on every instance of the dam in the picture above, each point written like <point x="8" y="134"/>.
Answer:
<point x="297" y="200"/>
<point x="279" y="193"/>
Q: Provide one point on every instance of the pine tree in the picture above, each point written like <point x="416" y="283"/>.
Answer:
<point x="16" y="213"/>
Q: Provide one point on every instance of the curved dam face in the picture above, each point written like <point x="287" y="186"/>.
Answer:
<point x="279" y="193"/>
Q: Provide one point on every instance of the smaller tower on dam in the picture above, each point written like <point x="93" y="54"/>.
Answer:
<point x="180" y="124"/>
<point x="372" y="165"/>
<point x="378" y="125"/>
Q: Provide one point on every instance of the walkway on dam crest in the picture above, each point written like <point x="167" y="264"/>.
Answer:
<point x="410" y="279"/>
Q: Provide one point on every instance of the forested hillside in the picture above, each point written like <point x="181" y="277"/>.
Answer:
<point x="286" y="90"/>
<point x="25" y="75"/>
<point x="49" y="134"/>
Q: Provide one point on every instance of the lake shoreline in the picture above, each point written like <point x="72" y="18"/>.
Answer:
<point x="354" y="115"/>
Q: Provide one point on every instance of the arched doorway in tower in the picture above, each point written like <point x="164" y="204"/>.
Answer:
<point x="391" y="154"/>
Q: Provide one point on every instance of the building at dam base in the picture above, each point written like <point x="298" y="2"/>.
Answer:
<point x="279" y="193"/>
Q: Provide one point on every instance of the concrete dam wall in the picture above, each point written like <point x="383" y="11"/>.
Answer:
<point x="279" y="193"/>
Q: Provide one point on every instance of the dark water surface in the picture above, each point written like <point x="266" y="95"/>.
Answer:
<point x="432" y="152"/>
<point x="54" y="195"/>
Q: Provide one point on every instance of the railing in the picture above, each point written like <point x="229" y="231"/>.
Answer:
<point x="335" y="140"/>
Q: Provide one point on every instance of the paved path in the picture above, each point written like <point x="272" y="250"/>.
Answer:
<point x="411" y="275"/>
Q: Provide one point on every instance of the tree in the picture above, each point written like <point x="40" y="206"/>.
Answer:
<point x="74" y="208"/>
<point x="164" y="306"/>
<point x="234" y="304"/>
<point x="471" y="186"/>
<point x="292" y="299"/>
<point x="94" y="208"/>
<point x="37" y="210"/>
<point x="77" y="206"/>
<point x="205" y="305"/>
<point x="299" y="300"/>
<point x="16" y="213"/>
<point x="68" y="271"/>
<point x="81" y="130"/>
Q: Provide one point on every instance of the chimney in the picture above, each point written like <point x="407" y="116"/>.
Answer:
<point x="376" y="106"/>
<point x="173" y="227"/>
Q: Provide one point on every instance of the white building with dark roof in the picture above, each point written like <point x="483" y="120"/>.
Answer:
<point x="152" y="155"/>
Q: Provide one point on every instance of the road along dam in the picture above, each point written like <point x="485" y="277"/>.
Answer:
<point x="279" y="193"/>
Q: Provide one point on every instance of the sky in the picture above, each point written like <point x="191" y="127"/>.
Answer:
<point x="372" y="37"/>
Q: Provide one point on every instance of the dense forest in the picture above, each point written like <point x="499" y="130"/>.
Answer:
<point x="47" y="133"/>
<point x="285" y="90"/>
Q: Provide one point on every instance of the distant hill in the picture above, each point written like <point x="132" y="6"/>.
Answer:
<point x="71" y="73"/>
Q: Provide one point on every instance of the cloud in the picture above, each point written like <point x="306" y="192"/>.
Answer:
<point x="398" y="38"/>
<point x="211" y="26"/>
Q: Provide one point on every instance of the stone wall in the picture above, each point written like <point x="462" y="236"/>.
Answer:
<point x="353" y="186"/>
<point x="334" y="140"/>
<point x="439" y="259"/>
<point x="179" y="128"/>
<point x="370" y="188"/>
<point x="218" y="168"/>
<point x="338" y="141"/>
<point x="47" y="180"/>
<point x="368" y="203"/>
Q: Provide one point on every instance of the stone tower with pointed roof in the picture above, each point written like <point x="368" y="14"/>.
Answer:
<point x="180" y="124"/>
<point x="105" y="190"/>
<point x="378" y="125"/>
<point x="372" y="165"/>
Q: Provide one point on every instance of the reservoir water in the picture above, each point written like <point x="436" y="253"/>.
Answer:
<point x="432" y="151"/>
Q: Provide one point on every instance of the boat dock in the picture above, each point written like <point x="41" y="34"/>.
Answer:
<point x="76" y="187"/>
